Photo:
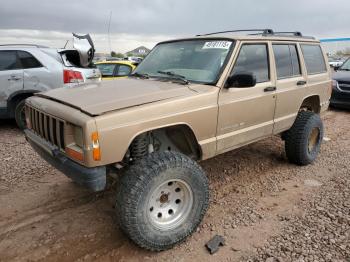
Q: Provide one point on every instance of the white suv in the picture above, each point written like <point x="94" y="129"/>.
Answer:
<point x="29" y="69"/>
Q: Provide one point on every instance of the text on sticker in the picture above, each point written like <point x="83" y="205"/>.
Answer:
<point x="217" y="44"/>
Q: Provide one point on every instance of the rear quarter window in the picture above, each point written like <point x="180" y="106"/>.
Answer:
<point x="28" y="60"/>
<point x="314" y="59"/>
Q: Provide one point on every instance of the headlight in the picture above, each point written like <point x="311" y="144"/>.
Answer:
<point x="78" y="136"/>
<point x="334" y="84"/>
<point x="75" y="142"/>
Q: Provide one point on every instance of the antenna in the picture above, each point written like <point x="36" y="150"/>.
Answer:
<point x="66" y="44"/>
<point x="109" y="27"/>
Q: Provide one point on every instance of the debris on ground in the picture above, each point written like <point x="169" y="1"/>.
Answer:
<point x="214" y="244"/>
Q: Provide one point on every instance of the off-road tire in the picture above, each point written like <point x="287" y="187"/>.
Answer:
<point x="297" y="138"/>
<point x="19" y="116"/>
<point x="138" y="184"/>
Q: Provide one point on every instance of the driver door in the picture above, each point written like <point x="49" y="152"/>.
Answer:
<point x="247" y="114"/>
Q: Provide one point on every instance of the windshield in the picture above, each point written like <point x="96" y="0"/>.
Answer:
<point x="194" y="60"/>
<point x="106" y="69"/>
<point x="346" y="65"/>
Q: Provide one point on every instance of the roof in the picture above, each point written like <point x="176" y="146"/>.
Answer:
<point x="251" y="34"/>
<point x="259" y="37"/>
<point x="139" y="48"/>
<point x="328" y="40"/>
<point x="23" y="45"/>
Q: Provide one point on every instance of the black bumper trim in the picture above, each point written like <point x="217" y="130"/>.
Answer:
<point x="340" y="104"/>
<point x="91" y="178"/>
<point x="4" y="114"/>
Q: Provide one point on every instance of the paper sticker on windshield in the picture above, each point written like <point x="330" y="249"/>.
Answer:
<point x="217" y="44"/>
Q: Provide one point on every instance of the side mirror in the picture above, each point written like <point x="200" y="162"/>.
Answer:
<point x="241" y="80"/>
<point x="336" y="68"/>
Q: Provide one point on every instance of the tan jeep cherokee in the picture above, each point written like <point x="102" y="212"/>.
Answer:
<point x="189" y="100"/>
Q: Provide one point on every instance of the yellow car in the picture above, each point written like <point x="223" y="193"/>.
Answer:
<point x="115" y="69"/>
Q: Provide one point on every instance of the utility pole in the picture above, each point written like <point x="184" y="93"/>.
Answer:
<point x="109" y="27"/>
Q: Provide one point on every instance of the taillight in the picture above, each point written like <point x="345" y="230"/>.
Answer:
<point x="70" y="76"/>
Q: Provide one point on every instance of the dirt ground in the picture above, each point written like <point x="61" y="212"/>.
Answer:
<point x="266" y="208"/>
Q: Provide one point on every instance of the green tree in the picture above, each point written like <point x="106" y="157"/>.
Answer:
<point x="118" y="55"/>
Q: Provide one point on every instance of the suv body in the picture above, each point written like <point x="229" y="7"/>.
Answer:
<point x="341" y="86"/>
<point x="28" y="69"/>
<point x="219" y="92"/>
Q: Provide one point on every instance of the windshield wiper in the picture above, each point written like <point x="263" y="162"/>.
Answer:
<point x="174" y="76"/>
<point x="136" y="74"/>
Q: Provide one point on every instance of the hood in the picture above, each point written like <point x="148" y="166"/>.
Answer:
<point x="105" y="96"/>
<point x="341" y="76"/>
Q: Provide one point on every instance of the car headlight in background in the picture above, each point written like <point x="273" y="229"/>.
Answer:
<point x="334" y="84"/>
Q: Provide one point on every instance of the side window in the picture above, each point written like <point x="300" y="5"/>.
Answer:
<point x="314" y="59"/>
<point x="28" y="61"/>
<point x="8" y="61"/>
<point x="253" y="58"/>
<point x="287" y="60"/>
<point x="295" y="60"/>
<point x="124" y="70"/>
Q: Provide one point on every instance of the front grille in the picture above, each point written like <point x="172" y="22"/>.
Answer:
<point x="344" y="86"/>
<point x="47" y="127"/>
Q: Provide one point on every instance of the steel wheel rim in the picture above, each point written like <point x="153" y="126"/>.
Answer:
<point x="313" y="139"/>
<point x="170" y="204"/>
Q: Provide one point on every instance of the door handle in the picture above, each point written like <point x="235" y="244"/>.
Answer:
<point x="301" y="83"/>
<point x="14" y="78"/>
<point x="270" y="89"/>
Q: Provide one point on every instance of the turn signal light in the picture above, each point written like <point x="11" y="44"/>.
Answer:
<point x="96" y="152"/>
<point x="74" y="154"/>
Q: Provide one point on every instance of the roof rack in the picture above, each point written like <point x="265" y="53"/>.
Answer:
<point x="263" y="31"/>
<point x="38" y="46"/>
<point x="296" y="33"/>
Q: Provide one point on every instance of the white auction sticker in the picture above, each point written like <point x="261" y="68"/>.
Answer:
<point x="217" y="44"/>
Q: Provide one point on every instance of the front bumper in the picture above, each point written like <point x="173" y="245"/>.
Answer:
<point x="91" y="178"/>
<point x="340" y="99"/>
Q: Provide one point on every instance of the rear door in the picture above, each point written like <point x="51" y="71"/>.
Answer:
<point x="36" y="76"/>
<point x="290" y="83"/>
<point x="11" y="75"/>
<point x="246" y="114"/>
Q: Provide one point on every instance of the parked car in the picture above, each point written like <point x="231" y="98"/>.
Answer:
<point x="333" y="62"/>
<point x="341" y="86"/>
<point x="134" y="59"/>
<point x="28" y="69"/>
<point x="189" y="100"/>
<point x="115" y="69"/>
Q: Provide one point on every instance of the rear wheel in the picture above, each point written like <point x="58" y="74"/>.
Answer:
<point x="20" y="114"/>
<point x="303" y="140"/>
<point x="161" y="200"/>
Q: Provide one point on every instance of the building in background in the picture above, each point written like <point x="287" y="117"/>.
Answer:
<point x="336" y="46"/>
<point x="139" y="52"/>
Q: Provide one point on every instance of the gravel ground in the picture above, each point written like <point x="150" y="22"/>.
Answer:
<point x="266" y="208"/>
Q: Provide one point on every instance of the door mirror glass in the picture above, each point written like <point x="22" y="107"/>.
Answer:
<point x="241" y="80"/>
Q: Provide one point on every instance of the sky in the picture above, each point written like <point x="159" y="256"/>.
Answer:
<point x="141" y="22"/>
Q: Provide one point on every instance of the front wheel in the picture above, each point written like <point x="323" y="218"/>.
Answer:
<point x="303" y="140"/>
<point x="161" y="200"/>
